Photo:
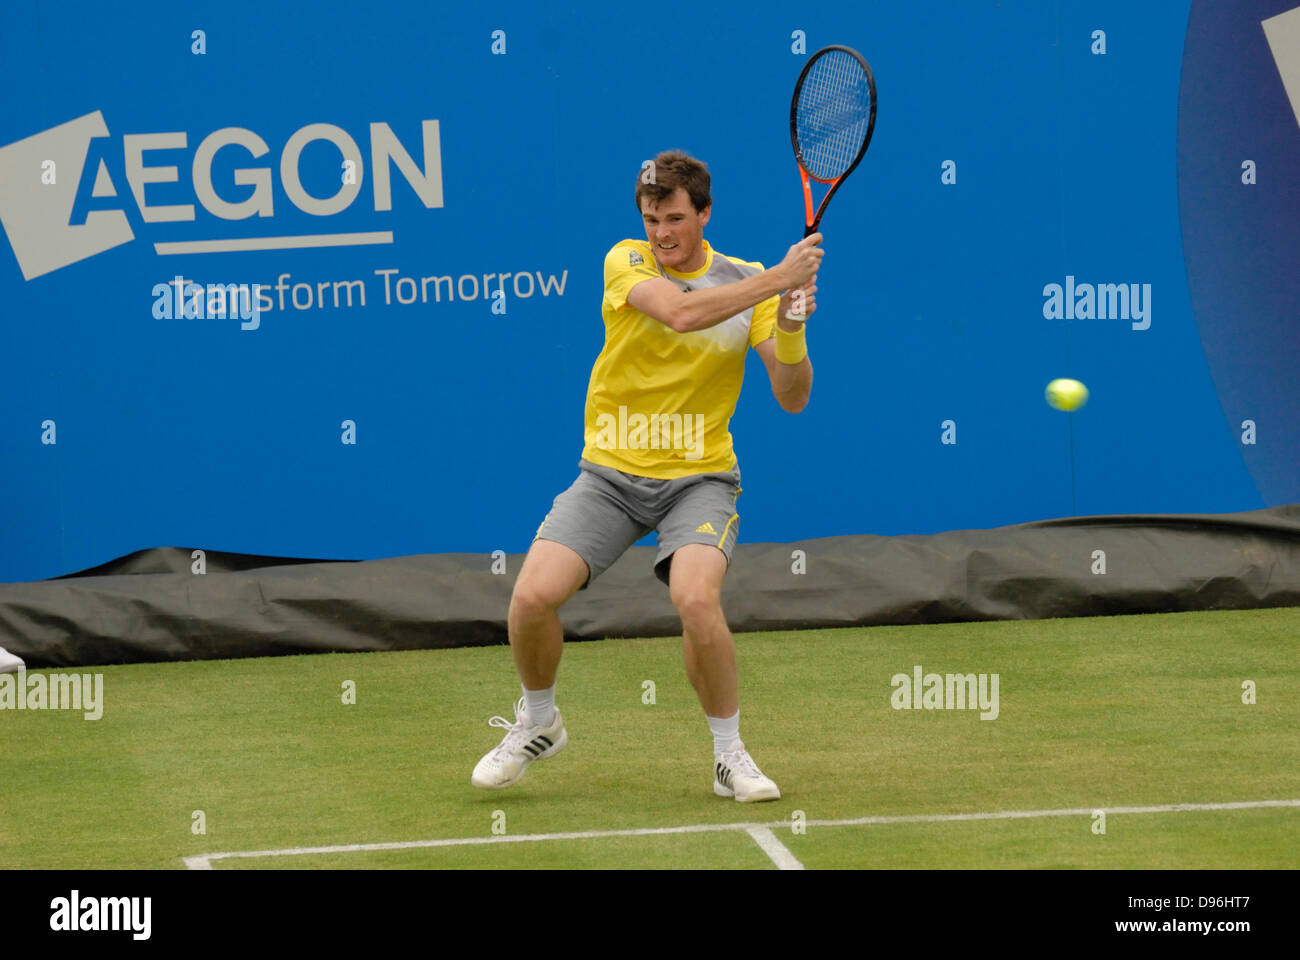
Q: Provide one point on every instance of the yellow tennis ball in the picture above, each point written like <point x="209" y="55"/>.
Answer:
<point x="1066" y="394"/>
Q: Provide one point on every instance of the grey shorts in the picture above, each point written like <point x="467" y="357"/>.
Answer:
<point x="606" y="511"/>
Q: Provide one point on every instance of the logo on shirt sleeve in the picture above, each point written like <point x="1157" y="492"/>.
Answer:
<point x="635" y="259"/>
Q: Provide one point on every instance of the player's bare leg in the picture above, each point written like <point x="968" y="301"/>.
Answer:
<point x="695" y="585"/>
<point x="551" y="574"/>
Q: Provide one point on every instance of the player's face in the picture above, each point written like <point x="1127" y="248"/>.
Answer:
<point x="676" y="231"/>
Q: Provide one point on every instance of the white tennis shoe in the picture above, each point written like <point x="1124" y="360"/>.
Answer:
<point x="9" y="663"/>
<point x="735" y="774"/>
<point x="524" y="742"/>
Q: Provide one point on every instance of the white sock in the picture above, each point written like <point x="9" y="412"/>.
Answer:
<point x="726" y="730"/>
<point x="540" y="705"/>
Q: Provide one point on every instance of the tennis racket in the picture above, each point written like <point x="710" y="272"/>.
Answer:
<point x="832" y="116"/>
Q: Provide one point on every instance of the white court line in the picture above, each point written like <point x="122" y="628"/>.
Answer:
<point x="774" y="848"/>
<point x="204" y="861"/>
<point x="1028" y="814"/>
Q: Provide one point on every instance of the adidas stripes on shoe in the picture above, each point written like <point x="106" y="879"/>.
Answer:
<point x="735" y="774"/>
<point x="523" y="743"/>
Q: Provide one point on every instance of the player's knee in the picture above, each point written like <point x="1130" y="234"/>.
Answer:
<point x="530" y="599"/>
<point x="696" y="605"/>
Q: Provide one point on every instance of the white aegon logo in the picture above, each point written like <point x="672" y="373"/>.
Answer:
<point x="38" y="218"/>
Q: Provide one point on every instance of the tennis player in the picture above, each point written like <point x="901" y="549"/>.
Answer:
<point x="679" y="320"/>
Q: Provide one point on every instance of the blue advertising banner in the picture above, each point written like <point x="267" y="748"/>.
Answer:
<point x="325" y="280"/>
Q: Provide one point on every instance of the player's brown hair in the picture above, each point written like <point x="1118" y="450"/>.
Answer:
<point x="670" y="170"/>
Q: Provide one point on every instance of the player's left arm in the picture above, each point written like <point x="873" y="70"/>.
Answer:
<point x="791" y="382"/>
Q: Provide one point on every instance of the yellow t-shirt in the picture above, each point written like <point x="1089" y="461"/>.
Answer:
<point x="659" y="403"/>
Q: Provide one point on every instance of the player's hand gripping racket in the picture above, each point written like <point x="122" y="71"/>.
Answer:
<point x="832" y="116"/>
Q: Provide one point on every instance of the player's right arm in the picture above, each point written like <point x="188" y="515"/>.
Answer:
<point x="700" y="309"/>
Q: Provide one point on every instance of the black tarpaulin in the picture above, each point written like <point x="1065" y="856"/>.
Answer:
<point x="152" y="606"/>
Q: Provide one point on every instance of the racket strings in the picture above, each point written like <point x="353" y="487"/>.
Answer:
<point x="832" y="115"/>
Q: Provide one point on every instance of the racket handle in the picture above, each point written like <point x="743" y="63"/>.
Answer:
<point x="808" y="231"/>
